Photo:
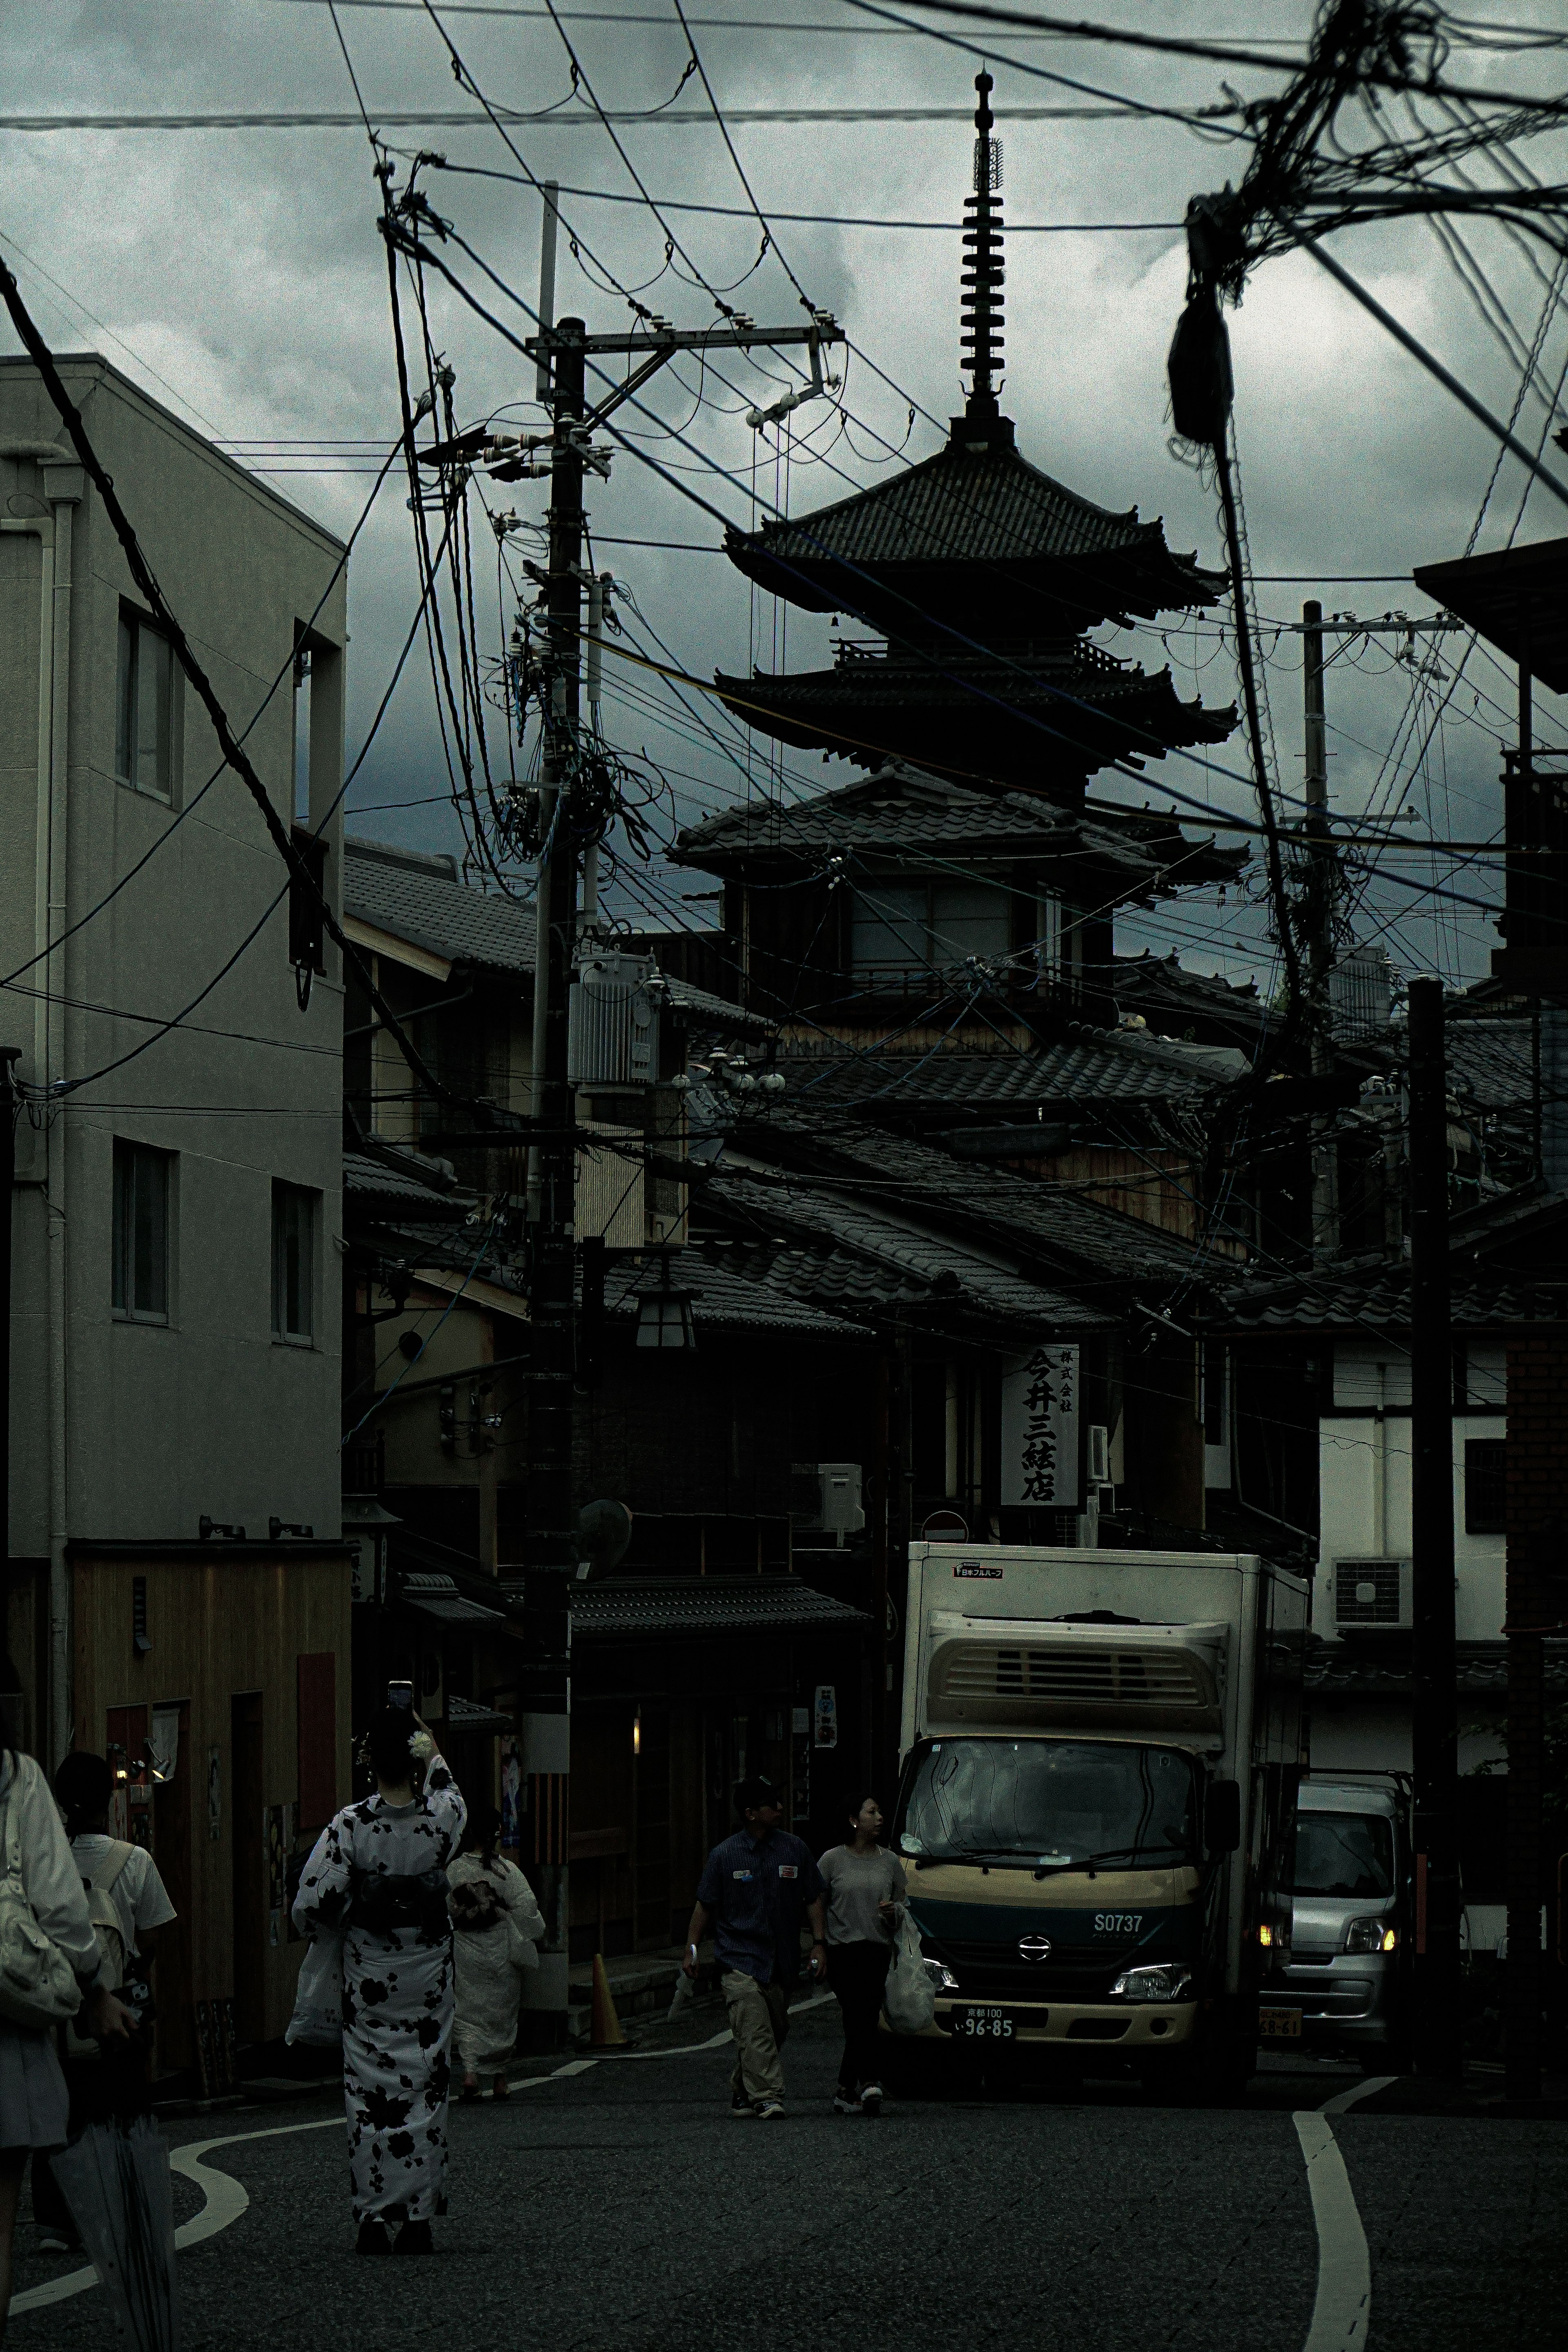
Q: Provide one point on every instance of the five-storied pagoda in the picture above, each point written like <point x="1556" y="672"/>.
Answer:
<point x="981" y="578"/>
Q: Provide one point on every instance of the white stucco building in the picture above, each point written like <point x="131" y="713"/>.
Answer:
<point x="176" y="1297"/>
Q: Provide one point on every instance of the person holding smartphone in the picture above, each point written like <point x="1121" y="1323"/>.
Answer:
<point x="865" y="1891"/>
<point x="377" y="1878"/>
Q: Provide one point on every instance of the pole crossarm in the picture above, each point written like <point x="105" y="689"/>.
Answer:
<point x="667" y="341"/>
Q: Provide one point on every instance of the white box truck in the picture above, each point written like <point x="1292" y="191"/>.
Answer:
<point x="1100" y="1753"/>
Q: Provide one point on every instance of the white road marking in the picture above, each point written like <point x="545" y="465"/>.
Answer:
<point x="225" y="2200"/>
<point x="1342" y="2305"/>
<point x="1336" y="2106"/>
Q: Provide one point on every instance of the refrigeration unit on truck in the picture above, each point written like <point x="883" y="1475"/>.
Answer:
<point x="1101" y="1757"/>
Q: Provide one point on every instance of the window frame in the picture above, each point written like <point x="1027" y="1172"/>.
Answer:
<point x="881" y="902"/>
<point x="307" y="1201"/>
<point x="1477" y="1524"/>
<point x="131" y="1159"/>
<point x="135" y="627"/>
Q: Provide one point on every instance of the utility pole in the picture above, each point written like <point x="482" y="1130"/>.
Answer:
<point x="1321" y="879"/>
<point x="1434" y="1714"/>
<point x="561" y="351"/>
<point x="9" y="1055"/>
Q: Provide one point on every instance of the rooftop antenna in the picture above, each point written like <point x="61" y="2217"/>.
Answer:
<point x="981" y="341"/>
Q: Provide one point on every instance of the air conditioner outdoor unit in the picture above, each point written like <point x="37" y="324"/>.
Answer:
<point x="612" y="1032"/>
<point x="1373" y="1596"/>
<point x="826" y="1497"/>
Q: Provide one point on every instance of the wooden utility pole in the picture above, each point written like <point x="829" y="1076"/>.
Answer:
<point x="1434" y="1714"/>
<point x="9" y="1055"/>
<point x="1321" y="878"/>
<point x="563" y="352"/>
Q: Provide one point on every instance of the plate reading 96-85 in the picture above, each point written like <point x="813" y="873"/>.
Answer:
<point x="987" y="2024"/>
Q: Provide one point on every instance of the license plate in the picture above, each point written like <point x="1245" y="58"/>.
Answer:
<point x="1280" y="2024"/>
<point x="985" y="2024"/>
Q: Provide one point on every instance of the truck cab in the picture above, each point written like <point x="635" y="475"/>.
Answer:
<point x="1342" y="1984"/>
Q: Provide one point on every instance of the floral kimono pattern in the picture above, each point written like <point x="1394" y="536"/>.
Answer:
<point x="398" y="1990"/>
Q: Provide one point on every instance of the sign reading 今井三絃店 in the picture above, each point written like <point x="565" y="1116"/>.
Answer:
<point x="1039" y="1428"/>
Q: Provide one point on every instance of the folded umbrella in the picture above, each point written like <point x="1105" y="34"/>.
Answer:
<point x="116" y="2181"/>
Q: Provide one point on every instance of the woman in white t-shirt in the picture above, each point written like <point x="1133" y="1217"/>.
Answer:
<point x="865" y="1896"/>
<point x="117" y="2082"/>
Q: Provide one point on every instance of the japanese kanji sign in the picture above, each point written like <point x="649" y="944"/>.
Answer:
<point x="1039" y="1429"/>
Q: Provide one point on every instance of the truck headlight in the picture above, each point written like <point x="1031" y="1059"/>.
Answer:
<point x="1165" y="1980"/>
<point x="942" y="1979"/>
<point x="1369" y="1935"/>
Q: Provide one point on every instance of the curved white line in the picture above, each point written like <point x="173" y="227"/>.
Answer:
<point x="1342" y="2305"/>
<point x="227" y="2200"/>
<point x="1336" y="2106"/>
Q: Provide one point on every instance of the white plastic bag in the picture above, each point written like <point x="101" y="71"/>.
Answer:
<point x="910" y="1998"/>
<point x="318" y="2018"/>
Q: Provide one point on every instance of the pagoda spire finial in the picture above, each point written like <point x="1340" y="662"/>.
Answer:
<point x="981" y="339"/>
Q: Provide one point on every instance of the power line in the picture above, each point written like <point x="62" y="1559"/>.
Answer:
<point x="453" y="118"/>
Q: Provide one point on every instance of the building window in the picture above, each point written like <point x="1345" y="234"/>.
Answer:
<point x="144" y="711"/>
<point x="919" y="928"/>
<point x="141" y="1233"/>
<point x="293" y="1263"/>
<point x="1485" y="1486"/>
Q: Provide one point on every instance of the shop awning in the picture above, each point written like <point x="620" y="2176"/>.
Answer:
<point x="472" y="1715"/>
<point x="686" y="1606"/>
<point x="437" y="1596"/>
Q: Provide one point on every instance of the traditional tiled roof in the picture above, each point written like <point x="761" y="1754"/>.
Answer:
<point x="1171" y="998"/>
<point x="1069" y="1076"/>
<point x="901" y="811"/>
<point x="731" y="1296"/>
<point x="420" y="898"/>
<point x="1375" y="1297"/>
<point x="986" y="510"/>
<point x="646" y="1607"/>
<point x="833" y="1247"/>
<point x="1380" y="1666"/>
<point x="1049" y="720"/>
<point x="384" y="1188"/>
<point x="1040" y="1223"/>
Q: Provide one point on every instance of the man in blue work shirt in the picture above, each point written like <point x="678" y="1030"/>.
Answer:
<point x="753" y="1889"/>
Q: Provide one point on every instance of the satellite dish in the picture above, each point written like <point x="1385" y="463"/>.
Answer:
<point x="604" y="1531"/>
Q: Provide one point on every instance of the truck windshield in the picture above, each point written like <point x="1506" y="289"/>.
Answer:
<point x="1048" y="1803"/>
<point x="1344" y="1854"/>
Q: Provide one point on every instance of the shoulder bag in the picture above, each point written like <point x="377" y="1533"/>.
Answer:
<point x="910" y="1996"/>
<point x="38" y="1983"/>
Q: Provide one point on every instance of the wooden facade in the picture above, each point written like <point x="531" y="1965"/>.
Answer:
<point x="242" y="1651"/>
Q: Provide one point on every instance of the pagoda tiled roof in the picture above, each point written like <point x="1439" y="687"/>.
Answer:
<point x="902" y="811"/>
<point x="983" y="506"/>
<point x="1052" y="717"/>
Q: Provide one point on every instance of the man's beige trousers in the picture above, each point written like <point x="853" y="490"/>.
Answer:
<point x="759" y="2020"/>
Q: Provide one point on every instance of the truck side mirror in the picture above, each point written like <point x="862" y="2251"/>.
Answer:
<point x="1222" y="1817"/>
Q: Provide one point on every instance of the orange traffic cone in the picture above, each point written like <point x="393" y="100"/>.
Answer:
<point x="607" y="2032"/>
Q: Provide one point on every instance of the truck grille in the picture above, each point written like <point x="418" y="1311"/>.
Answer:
<point x="1066" y="1676"/>
<point x="994" y="1971"/>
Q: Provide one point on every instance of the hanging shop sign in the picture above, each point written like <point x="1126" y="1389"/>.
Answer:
<point x="1039" y="1428"/>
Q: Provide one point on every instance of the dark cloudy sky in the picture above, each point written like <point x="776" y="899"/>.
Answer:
<point x="237" y="275"/>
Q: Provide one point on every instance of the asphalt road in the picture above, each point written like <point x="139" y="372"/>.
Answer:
<point x="620" y="2210"/>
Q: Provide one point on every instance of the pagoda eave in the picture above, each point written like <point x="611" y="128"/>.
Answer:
<point x="997" y="724"/>
<point x="1057" y="595"/>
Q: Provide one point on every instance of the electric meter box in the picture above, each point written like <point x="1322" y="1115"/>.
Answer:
<point x="612" y="1017"/>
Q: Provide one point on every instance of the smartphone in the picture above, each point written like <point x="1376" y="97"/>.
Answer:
<point x="400" y="1695"/>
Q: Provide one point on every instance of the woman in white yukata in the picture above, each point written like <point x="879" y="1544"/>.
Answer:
<point x="498" y="1923"/>
<point x="378" y="1879"/>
